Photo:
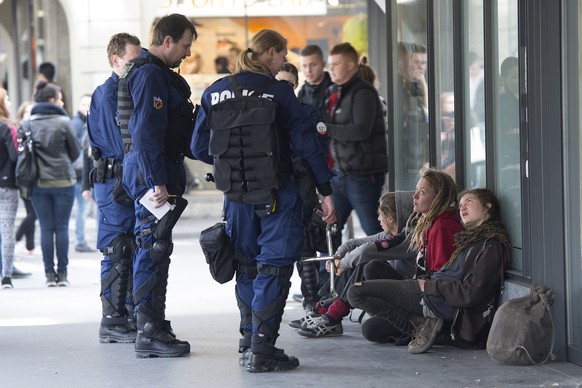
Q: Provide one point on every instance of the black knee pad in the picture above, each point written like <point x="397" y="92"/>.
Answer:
<point x="121" y="249"/>
<point x="161" y="251"/>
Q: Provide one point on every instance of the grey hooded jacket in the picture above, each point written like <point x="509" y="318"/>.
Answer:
<point x="362" y="250"/>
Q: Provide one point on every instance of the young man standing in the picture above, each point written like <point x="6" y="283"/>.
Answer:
<point x="317" y="80"/>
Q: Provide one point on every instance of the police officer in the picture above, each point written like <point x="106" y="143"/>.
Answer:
<point x="270" y="242"/>
<point x="153" y="102"/>
<point x="115" y="234"/>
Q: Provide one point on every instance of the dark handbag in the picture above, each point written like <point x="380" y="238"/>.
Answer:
<point x="26" y="166"/>
<point x="522" y="332"/>
<point x="219" y="252"/>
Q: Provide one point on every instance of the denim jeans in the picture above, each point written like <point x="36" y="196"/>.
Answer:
<point x="360" y="193"/>
<point x="8" y="206"/>
<point x="83" y="208"/>
<point x="53" y="208"/>
<point x="394" y="300"/>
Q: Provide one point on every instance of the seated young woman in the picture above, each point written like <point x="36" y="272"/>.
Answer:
<point x="464" y="291"/>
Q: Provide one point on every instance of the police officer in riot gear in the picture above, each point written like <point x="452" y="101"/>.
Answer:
<point x="269" y="235"/>
<point x="115" y="237"/>
<point x="154" y="106"/>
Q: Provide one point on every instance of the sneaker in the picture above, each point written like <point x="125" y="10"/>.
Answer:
<point x="321" y="327"/>
<point x="425" y="332"/>
<point x="303" y="322"/>
<point x="62" y="280"/>
<point x="84" y="248"/>
<point x="51" y="279"/>
<point x="6" y="282"/>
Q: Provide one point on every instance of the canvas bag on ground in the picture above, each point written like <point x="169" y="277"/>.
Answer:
<point x="522" y="332"/>
<point x="26" y="167"/>
<point x="219" y="252"/>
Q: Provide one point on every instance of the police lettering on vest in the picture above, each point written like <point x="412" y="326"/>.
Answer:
<point x="245" y="142"/>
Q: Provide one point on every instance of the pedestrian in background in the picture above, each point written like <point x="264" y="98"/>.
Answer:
<point x="8" y="190"/>
<point x="79" y="124"/>
<point x="53" y="194"/>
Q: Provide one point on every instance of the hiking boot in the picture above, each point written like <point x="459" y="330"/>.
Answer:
<point x="425" y="332"/>
<point x="321" y="326"/>
<point x="51" y="279"/>
<point x="162" y="345"/>
<point x="259" y="363"/>
<point x="303" y="322"/>
<point x="116" y="333"/>
<point x="62" y="280"/>
<point x="7" y="282"/>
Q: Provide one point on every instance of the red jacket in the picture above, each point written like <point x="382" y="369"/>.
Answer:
<point x="440" y="240"/>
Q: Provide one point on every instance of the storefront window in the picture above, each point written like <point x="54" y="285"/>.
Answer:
<point x="475" y="90"/>
<point x="444" y="86"/>
<point x="573" y="186"/>
<point x="410" y="93"/>
<point x="507" y="131"/>
<point x="225" y="27"/>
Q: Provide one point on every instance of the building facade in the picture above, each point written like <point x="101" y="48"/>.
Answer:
<point x="489" y="91"/>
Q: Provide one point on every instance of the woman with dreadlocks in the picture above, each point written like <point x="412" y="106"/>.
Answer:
<point x="464" y="291"/>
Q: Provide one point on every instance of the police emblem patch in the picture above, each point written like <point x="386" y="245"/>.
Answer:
<point x="158" y="103"/>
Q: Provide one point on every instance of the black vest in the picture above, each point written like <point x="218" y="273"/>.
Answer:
<point x="246" y="144"/>
<point x="180" y="122"/>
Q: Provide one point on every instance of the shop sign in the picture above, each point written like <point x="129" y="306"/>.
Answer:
<point x="240" y="8"/>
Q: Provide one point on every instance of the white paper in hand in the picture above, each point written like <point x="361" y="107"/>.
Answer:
<point x="158" y="212"/>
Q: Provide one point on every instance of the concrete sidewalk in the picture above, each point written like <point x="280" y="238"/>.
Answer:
<point x="48" y="337"/>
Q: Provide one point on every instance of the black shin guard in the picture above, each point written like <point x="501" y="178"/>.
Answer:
<point x="246" y="315"/>
<point x="273" y="312"/>
<point x="309" y="282"/>
<point x="120" y="254"/>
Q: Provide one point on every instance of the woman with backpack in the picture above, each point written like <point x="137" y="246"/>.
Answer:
<point x="53" y="194"/>
<point x="8" y="190"/>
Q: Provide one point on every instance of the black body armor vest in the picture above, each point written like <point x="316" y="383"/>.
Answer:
<point x="180" y="122"/>
<point x="246" y="144"/>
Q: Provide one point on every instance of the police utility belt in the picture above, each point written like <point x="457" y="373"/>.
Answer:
<point x="105" y="169"/>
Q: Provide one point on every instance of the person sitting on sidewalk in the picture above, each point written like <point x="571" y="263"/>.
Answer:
<point x="464" y="291"/>
<point x="432" y="236"/>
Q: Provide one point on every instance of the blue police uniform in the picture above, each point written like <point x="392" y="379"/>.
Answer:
<point x="151" y="162"/>
<point x="270" y="243"/>
<point x="116" y="221"/>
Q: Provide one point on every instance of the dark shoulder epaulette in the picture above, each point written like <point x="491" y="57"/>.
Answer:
<point x="131" y="65"/>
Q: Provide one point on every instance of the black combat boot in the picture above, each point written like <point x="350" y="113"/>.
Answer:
<point x="265" y="357"/>
<point x="155" y="338"/>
